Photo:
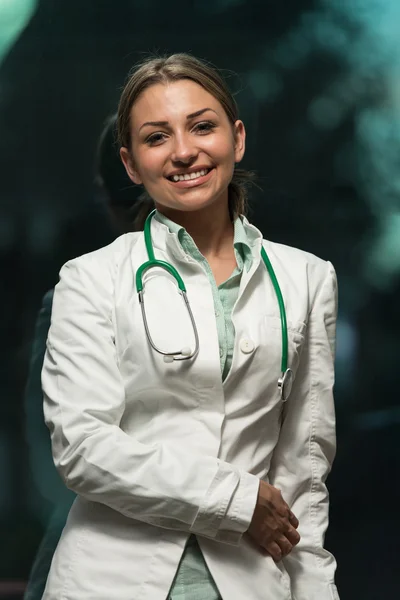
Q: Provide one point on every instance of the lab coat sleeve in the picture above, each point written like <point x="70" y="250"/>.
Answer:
<point x="306" y="448"/>
<point x="44" y="474"/>
<point x="84" y="401"/>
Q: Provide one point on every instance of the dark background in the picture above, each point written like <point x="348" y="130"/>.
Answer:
<point x="317" y="83"/>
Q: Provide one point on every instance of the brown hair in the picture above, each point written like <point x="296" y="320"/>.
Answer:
<point x="174" y="68"/>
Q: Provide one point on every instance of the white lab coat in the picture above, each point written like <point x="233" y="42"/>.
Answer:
<point x="157" y="451"/>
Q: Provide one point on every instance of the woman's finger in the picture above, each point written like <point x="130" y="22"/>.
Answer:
<point x="293" y="520"/>
<point x="274" y="550"/>
<point x="293" y="536"/>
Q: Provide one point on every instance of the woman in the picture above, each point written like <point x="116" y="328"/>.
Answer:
<point x="183" y="439"/>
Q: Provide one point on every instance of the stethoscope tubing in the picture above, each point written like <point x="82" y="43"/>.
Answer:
<point x="284" y="381"/>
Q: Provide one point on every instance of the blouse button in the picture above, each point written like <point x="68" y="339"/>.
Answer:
<point x="246" y="346"/>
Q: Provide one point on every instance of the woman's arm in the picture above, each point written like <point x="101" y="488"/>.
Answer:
<point x="306" y="448"/>
<point x="84" y="400"/>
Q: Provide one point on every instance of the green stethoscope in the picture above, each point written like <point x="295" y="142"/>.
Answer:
<point x="286" y="378"/>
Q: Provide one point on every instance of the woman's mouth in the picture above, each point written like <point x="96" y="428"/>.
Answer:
<point x="186" y="180"/>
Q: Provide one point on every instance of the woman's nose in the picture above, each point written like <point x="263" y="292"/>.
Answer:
<point x="184" y="150"/>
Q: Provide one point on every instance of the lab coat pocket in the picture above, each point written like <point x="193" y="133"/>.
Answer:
<point x="274" y="350"/>
<point x="296" y="334"/>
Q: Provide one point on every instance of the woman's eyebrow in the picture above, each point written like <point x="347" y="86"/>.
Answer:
<point x="164" y="123"/>
<point x="199" y="112"/>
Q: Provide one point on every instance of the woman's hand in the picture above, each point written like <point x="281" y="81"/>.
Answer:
<point x="273" y="526"/>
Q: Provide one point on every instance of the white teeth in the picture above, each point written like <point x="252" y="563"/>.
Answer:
<point x="188" y="176"/>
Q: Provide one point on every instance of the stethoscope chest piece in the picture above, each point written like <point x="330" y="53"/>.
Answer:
<point x="285" y="383"/>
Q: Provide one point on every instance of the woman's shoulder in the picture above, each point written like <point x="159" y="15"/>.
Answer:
<point x="284" y="252"/>
<point x="107" y="256"/>
<point x="301" y="265"/>
<point x="97" y="270"/>
<point x="291" y="259"/>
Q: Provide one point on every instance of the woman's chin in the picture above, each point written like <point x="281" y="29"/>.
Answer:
<point x="188" y="205"/>
<point x="193" y="202"/>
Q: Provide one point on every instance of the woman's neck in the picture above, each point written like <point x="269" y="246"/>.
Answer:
<point x="211" y="228"/>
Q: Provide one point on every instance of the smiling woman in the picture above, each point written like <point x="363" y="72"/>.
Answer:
<point x="165" y="153"/>
<point x="177" y="84"/>
<point x="196" y="470"/>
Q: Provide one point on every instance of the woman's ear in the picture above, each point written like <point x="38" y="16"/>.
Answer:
<point x="239" y="133"/>
<point x="129" y="166"/>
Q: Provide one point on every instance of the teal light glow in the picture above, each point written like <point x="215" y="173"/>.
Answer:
<point x="14" y="16"/>
<point x="363" y="37"/>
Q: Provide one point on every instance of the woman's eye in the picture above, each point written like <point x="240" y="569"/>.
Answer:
<point x="154" y="139"/>
<point x="204" y="127"/>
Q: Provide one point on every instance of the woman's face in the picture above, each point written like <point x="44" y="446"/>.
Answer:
<point x="183" y="146"/>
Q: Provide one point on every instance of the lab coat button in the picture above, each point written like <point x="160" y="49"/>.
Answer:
<point x="221" y="352"/>
<point x="246" y="346"/>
